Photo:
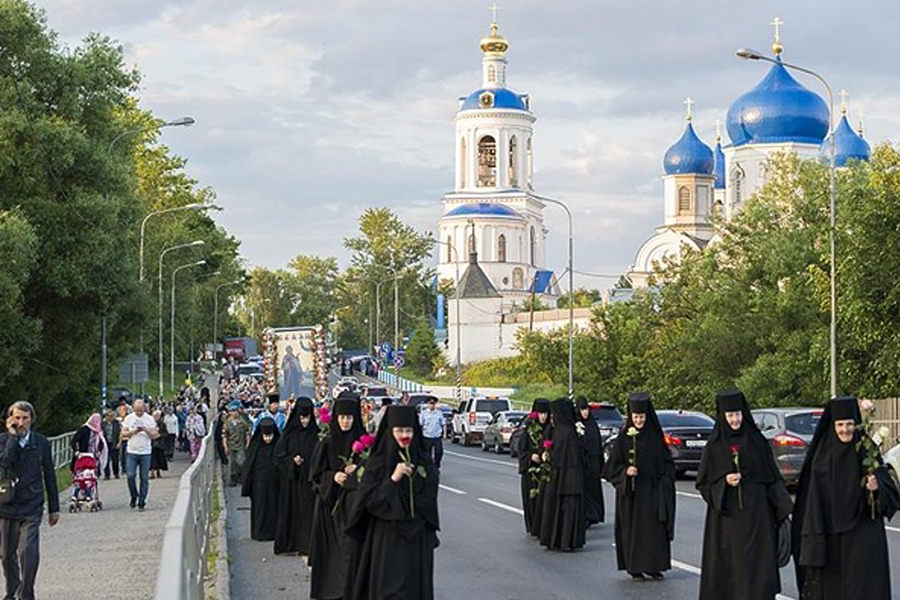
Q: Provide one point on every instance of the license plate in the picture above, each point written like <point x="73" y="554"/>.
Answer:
<point x="695" y="443"/>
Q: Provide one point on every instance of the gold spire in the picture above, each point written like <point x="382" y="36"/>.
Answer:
<point x="861" y="129"/>
<point x="844" y="95"/>
<point x="718" y="130"/>
<point x="777" y="47"/>
<point x="690" y="104"/>
<point x="494" y="43"/>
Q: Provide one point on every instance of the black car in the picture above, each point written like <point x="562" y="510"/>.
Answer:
<point x="686" y="433"/>
<point x="608" y="419"/>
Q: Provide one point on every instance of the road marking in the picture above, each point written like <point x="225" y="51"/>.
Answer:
<point x="894" y="529"/>
<point x="689" y="495"/>
<point x="696" y="571"/>
<point x="487" y="460"/>
<point x="452" y="490"/>
<point x="511" y="509"/>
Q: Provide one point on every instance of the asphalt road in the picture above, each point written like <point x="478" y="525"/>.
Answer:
<point x="486" y="554"/>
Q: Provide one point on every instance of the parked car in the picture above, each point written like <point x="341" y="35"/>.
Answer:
<point x="473" y="415"/>
<point x="375" y="394"/>
<point x="499" y="430"/>
<point x="686" y="433"/>
<point x="789" y="431"/>
<point x="608" y="419"/>
<point x="417" y="399"/>
<point x="248" y="370"/>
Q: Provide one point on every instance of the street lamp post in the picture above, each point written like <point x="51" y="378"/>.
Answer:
<point x="192" y="206"/>
<point x="748" y="54"/>
<point x="172" y="321"/>
<point x="571" y="297"/>
<point x="216" y="316"/>
<point x="160" y="306"/>
<point x="457" y="323"/>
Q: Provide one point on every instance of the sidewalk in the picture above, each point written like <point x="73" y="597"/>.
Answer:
<point x="111" y="554"/>
<point x="256" y="571"/>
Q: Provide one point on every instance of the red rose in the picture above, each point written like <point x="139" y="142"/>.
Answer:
<point x="735" y="449"/>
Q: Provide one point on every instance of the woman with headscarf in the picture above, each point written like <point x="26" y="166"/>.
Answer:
<point x="261" y="480"/>
<point x="641" y="469"/>
<point x="530" y="452"/>
<point x="195" y="429"/>
<point x="840" y="548"/>
<point x="332" y="473"/>
<point x="746" y="501"/>
<point x="395" y="514"/>
<point x="89" y="438"/>
<point x="592" y="459"/>
<point x="563" y="522"/>
<point x="297" y="500"/>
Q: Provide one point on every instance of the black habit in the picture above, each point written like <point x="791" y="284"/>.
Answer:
<point x="397" y="533"/>
<point x="297" y="499"/>
<point x="740" y="536"/>
<point x="261" y="482"/>
<point x="592" y="458"/>
<point x="563" y="522"/>
<point x="532" y="444"/>
<point x="332" y="553"/>
<point x="840" y="551"/>
<point x="645" y="505"/>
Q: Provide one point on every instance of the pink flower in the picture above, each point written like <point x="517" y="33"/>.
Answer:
<point x="324" y="416"/>
<point x="358" y="447"/>
<point x="367" y="441"/>
<point x="548" y="444"/>
<point x="735" y="449"/>
<point x="533" y="415"/>
<point x="866" y="406"/>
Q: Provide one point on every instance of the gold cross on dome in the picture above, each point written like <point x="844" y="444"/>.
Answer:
<point x="493" y="8"/>
<point x="689" y="103"/>
<point x="844" y="95"/>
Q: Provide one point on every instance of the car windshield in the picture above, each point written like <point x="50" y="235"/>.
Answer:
<point x="376" y="391"/>
<point x="246" y="369"/>
<point x="514" y="420"/>
<point x="803" y="423"/>
<point x="607" y="415"/>
<point x="684" y="420"/>
<point x="491" y="406"/>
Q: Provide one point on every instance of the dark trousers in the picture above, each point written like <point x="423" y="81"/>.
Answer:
<point x="435" y="449"/>
<point x="112" y="462"/>
<point x="20" y="553"/>
<point x="135" y="463"/>
<point x="123" y="452"/>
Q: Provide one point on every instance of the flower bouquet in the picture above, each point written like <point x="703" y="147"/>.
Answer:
<point x="871" y="452"/>
<point x="632" y="432"/>
<point x="736" y="459"/>
<point x="540" y="473"/>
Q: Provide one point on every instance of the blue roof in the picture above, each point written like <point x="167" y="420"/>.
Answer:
<point x="542" y="281"/>
<point x="778" y="109"/>
<point x="503" y="98"/>
<point x="720" y="166"/>
<point x="688" y="155"/>
<point x="848" y="145"/>
<point x="483" y="209"/>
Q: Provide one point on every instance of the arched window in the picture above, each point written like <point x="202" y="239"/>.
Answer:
<point x="449" y="250"/>
<point x="533" y="248"/>
<point x="463" y="162"/>
<point x="513" y="162"/>
<point x="472" y="247"/>
<point x="737" y="177"/>
<point x="492" y="74"/>
<point x="487" y="162"/>
<point x="684" y="199"/>
<point x="518" y="279"/>
<point x="529" y="158"/>
<point x="501" y="248"/>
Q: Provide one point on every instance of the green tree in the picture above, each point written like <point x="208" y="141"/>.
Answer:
<point x="422" y="350"/>
<point x="18" y="331"/>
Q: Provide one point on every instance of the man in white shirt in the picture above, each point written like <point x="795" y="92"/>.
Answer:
<point x="432" y="421"/>
<point x="139" y="429"/>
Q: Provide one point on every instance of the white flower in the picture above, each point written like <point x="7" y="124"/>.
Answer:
<point x="884" y="432"/>
<point x="579" y="427"/>
<point x="632" y="431"/>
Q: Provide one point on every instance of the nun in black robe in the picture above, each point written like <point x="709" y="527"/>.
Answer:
<point x="645" y="501"/>
<point x="592" y="458"/>
<point x="563" y="523"/>
<point x="332" y="553"/>
<point x="261" y="481"/>
<point x="293" y="455"/>
<point x="395" y="514"/>
<point x="746" y="501"/>
<point x="530" y="453"/>
<point x="840" y="550"/>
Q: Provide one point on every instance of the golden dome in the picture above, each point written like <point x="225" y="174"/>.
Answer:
<point x="494" y="43"/>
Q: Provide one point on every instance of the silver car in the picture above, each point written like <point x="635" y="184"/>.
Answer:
<point x="790" y="431"/>
<point x="499" y="430"/>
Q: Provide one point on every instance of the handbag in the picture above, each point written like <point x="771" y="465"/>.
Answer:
<point x="8" y="490"/>
<point x="783" y="542"/>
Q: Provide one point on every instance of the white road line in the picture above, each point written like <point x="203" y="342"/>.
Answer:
<point x="688" y="494"/>
<point x="511" y="509"/>
<point x="894" y="529"/>
<point x="487" y="460"/>
<point x="452" y="490"/>
<point x="696" y="571"/>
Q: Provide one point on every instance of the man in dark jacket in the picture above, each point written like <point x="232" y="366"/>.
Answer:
<point x="26" y="458"/>
<point x="112" y="431"/>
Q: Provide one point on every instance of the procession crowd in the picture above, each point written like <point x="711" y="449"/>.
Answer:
<point x="362" y="508"/>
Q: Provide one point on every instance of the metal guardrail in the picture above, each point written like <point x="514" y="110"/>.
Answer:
<point x="400" y="383"/>
<point x="61" y="449"/>
<point x="182" y="566"/>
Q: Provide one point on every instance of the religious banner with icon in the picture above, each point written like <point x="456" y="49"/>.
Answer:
<point x="289" y="361"/>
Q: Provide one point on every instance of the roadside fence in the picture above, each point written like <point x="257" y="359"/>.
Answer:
<point x="60" y="449"/>
<point x="400" y="383"/>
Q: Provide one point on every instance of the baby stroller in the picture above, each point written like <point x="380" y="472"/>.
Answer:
<point x="85" y="491"/>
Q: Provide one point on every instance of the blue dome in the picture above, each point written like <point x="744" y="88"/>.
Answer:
<point x="720" y="166"/>
<point x="778" y="109"/>
<point x="483" y="209"/>
<point x="503" y="98"/>
<point x="848" y="145"/>
<point x="688" y="155"/>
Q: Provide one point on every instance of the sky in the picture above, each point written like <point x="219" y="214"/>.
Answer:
<point x="308" y="112"/>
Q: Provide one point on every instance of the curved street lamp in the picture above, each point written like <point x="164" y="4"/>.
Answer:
<point x="160" y="306"/>
<point x="172" y="321"/>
